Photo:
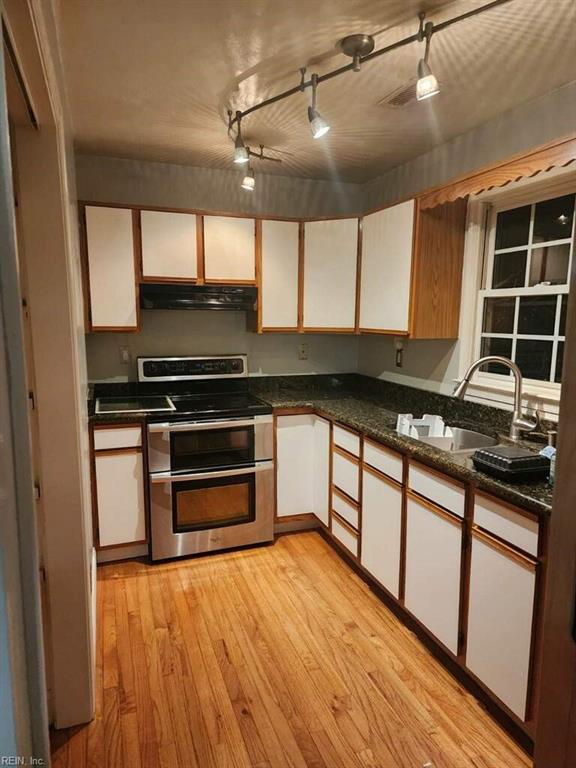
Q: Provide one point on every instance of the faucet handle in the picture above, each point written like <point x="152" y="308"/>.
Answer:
<point x="529" y="423"/>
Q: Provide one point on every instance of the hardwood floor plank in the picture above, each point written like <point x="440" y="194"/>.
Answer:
<point x="272" y="657"/>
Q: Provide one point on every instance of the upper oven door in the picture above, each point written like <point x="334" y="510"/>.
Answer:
<point x="182" y="447"/>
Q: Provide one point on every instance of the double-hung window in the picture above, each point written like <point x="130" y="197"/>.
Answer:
<point x="524" y="295"/>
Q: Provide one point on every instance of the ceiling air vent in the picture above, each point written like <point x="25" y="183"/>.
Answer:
<point x="400" y="97"/>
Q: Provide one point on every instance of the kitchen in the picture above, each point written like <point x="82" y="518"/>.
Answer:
<point x="317" y="397"/>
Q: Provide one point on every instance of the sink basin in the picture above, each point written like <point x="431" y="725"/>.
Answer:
<point x="462" y="441"/>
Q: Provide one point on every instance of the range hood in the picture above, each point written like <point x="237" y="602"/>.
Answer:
<point x="183" y="296"/>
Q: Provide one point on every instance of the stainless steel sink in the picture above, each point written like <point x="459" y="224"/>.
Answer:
<point x="462" y="441"/>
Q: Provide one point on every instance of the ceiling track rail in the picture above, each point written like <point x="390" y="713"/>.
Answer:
<point x="13" y="61"/>
<point x="355" y="65"/>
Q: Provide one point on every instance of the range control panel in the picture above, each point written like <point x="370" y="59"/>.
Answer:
<point x="186" y="368"/>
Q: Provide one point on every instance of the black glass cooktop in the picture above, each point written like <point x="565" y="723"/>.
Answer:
<point x="211" y="406"/>
<point x="134" y="404"/>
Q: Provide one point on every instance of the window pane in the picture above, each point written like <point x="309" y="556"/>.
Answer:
<point x="550" y="264"/>
<point x="499" y="315"/>
<point x="512" y="227"/>
<point x="553" y="219"/>
<point x="502" y="347"/>
<point x="563" y="309"/>
<point x="534" y="358"/>
<point x="559" y="362"/>
<point x="509" y="269"/>
<point x="537" y="315"/>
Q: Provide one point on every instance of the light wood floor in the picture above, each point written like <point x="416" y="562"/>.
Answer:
<point x="271" y="657"/>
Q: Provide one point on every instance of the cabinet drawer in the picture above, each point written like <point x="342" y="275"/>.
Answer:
<point x="117" y="437"/>
<point x="513" y="527"/>
<point x="120" y="498"/>
<point x="433" y="561"/>
<point x="345" y="474"/>
<point x="346" y="439"/>
<point x="345" y="536"/>
<point x="438" y="488"/>
<point x="345" y="509"/>
<point x="500" y="619"/>
<point x="387" y="461"/>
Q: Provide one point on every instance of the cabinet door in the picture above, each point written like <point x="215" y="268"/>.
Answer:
<point x="229" y="249"/>
<point x="381" y="529"/>
<point x="321" y="469"/>
<point x="279" y="292"/>
<point x="330" y="258"/>
<point x="111" y="269"/>
<point x="168" y="245"/>
<point x="386" y="269"/>
<point x="502" y="588"/>
<point x="120" y="498"/>
<point x="433" y="556"/>
<point x="294" y="465"/>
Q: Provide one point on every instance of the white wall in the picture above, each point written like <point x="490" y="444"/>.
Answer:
<point x="212" y="333"/>
<point x="133" y="182"/>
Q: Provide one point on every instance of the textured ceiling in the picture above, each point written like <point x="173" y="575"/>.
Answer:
<point x="152" y="79"/>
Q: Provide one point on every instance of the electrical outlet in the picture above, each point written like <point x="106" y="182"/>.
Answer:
<point x="303" y="351"/>
<point x="398" y="352"/>
<point x="125" y="355"/>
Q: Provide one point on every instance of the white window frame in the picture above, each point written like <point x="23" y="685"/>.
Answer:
<point x="490" y="388"/>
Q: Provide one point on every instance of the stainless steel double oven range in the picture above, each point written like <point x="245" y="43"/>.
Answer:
<point x="210" y="464"/>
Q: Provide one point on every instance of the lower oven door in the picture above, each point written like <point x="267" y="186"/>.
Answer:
<point x="205" y="511"/>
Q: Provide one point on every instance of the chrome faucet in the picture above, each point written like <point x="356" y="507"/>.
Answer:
<point x="520" y="422"/>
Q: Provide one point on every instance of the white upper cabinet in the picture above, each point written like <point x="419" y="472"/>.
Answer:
<point x="386" y="268"/>
<point x="330" y="258"/>
<point x="229" y="249"/>
<point x="279" y="294"/>
<point x="111" y="268"/>
<point x="169" y="245"/>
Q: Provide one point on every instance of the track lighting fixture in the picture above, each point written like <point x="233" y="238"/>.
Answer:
<point x="361" y="49"/>
<point x="249" y="182"/>
<point x="241" y="152"/>
<point x="318" y="125"/>
<point x="427" y="84"/>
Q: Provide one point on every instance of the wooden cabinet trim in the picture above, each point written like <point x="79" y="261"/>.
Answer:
<point x="200" y="249"/>
<point x="258" y="271"/>
<point x="358" y="275"/>
<point x="345" y="454"/>
<point x="345" y="524"/>
<point x="381" y="476"/>
<point x="344" y="496"/>
<point x="506" y="549"/>
<point x="438" y="511"/>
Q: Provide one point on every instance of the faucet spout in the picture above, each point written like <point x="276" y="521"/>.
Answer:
<point x="520" y="422"/>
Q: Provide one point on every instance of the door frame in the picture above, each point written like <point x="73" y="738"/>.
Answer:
<point x="555" y="743"/>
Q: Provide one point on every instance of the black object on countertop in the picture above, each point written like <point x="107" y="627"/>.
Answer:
<point x="511" y="463"/>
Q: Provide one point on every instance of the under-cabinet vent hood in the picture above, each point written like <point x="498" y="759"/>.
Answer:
<point x="181" y="296"/>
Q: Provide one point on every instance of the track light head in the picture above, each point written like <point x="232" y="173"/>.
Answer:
<point x="427" y="84"/>
<point x="249" y="182"/>
<point x="240" y="151"/>
<point x="318" y="125"/>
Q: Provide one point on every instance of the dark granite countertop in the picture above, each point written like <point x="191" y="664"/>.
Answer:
<point x="371" y="407"/>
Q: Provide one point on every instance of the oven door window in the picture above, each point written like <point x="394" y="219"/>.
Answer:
<point x="211" y="448"/>
<point x="198" y="505"/>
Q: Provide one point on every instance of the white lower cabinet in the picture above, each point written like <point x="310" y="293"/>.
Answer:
<point x="120" y="497"/>
<point x="502" y="591"/>
<point x="381" y="529"/>
<point x="433" y="560"/>
<point x="302" y="466"/>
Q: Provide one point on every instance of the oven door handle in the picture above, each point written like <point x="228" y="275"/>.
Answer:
<point x="166" y="477"/>
<point x="198" y="426"/>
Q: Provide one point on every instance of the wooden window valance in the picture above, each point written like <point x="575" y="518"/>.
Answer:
<point x="556" y="154"/>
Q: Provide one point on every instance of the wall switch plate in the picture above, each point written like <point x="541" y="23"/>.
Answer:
<point x="125" y="355"/>
<point x="303" y="351"/>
